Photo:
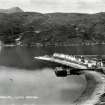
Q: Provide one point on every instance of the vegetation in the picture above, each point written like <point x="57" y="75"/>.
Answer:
<point x="55" y="28"/>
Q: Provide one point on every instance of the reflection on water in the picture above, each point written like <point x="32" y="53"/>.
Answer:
<point x="42" y="84"/>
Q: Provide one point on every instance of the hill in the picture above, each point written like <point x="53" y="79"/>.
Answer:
<point x="30" y="28"/>
<point x="11" y="10"/>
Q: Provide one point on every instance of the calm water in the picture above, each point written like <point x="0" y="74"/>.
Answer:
<point x="23" y="57"/>
<point x="22" y="75"/>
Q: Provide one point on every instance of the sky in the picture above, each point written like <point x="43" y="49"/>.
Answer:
<point x="49" y="6"/>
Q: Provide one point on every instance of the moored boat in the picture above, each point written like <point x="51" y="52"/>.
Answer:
<point x="75" y="64"/>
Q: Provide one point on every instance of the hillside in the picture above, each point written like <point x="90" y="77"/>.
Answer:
<point x="30" y="28"/>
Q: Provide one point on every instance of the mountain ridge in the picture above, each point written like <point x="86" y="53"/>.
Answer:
<point x="11" y="10"/>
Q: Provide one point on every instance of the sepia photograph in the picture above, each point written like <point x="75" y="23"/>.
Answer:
<point x="52" y="52"/>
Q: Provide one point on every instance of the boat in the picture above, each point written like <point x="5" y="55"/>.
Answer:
<point x="73" y="64"/>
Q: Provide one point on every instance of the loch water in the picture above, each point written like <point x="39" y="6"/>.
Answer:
<point x="22" y="75"/>
<point x="23" y="57"/>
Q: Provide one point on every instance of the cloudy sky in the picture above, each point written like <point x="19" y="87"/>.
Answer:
<point x="45" y="6"/>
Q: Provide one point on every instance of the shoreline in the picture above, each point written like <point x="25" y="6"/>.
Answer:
<point x="94" y="90"/>
<point x="56" y="45"/>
